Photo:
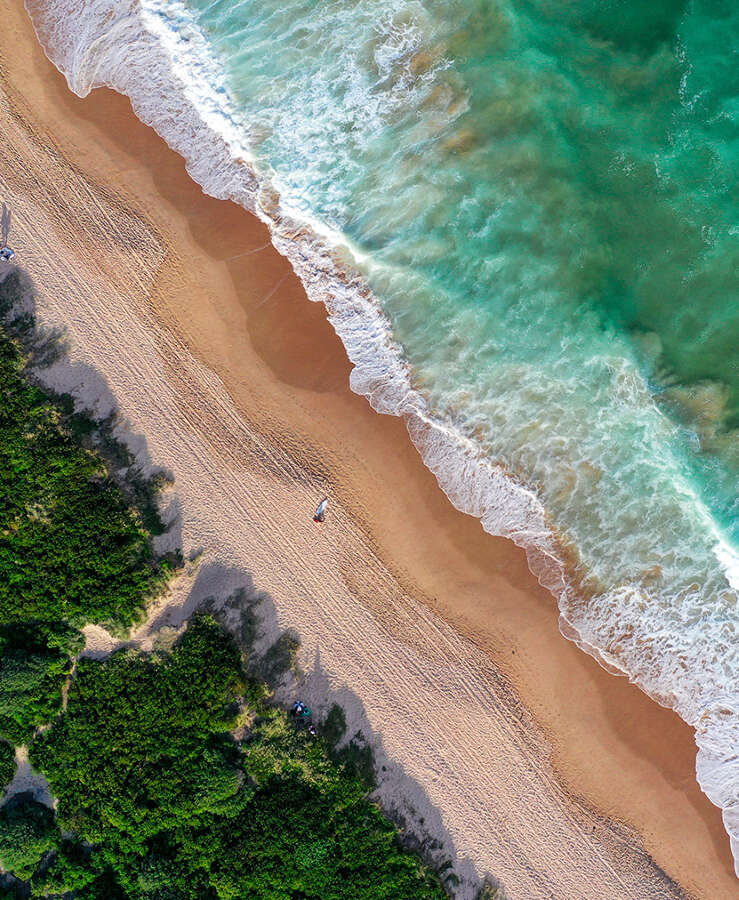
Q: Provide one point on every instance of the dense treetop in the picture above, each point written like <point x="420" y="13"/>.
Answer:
<point x="71" y="547"/>
<point x="7" y="763"/>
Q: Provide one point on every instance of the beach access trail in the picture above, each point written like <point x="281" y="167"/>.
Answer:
<point x="528" y="761"/>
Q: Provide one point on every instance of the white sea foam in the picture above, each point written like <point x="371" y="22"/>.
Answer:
<point x="153" y="51"/>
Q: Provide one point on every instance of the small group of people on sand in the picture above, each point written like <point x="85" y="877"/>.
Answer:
<point x="302" y="715"/>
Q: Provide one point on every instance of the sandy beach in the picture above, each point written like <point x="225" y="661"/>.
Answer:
<point x="527" y="760"/>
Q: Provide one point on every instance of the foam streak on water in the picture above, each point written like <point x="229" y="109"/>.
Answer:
<point x="520" y="225"/>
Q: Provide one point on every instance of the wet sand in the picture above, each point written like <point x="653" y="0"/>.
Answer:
<point x="214" y="297"/>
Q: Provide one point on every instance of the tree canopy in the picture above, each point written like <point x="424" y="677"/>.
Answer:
<point x="7" y="764"/>
<point x="71" y="548"/>
<point x="27" y="832"/>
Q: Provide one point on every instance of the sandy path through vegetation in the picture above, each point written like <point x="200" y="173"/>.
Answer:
<point x="115" y="265"/>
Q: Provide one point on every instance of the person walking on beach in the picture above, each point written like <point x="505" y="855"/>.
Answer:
<point x="321" y="511"/>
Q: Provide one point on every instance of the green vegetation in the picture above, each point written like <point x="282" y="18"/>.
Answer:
<point x="71" y="548"/>
<point x="35" y="661"/>
<point x="333" y="843"/>
<point x="144" y="742"/>
<point x="27" y="832"/>
<point x="30" y="691"/>
<point x="146" y="771"/>
<point x="74" y="546"/>
<point x="7" y="764"/>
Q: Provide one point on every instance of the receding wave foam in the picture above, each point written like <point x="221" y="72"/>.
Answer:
<point x="153" y="52"/>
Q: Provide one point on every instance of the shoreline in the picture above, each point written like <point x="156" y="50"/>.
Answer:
<point x="244" y="315"/>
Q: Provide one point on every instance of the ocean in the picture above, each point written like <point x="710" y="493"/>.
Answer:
<point x="522" y="218"/>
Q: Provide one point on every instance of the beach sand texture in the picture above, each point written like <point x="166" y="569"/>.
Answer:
<point x="530" y="762"/>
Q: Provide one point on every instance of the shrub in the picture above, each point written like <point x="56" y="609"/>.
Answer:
<point x="30" y="691"/>
<point x="143" y="745"/>
<point x="71" y="549"/>
<point x="27" y="832"/>
<point x="7" y="764"/>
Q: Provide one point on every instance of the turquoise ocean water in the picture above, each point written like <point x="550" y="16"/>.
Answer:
<point x="541" y="199"/>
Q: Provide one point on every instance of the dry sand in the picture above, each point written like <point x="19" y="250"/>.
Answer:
<point x="530" y="762"/>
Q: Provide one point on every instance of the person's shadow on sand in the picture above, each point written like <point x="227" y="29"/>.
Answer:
<point x="4" y="226"/>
